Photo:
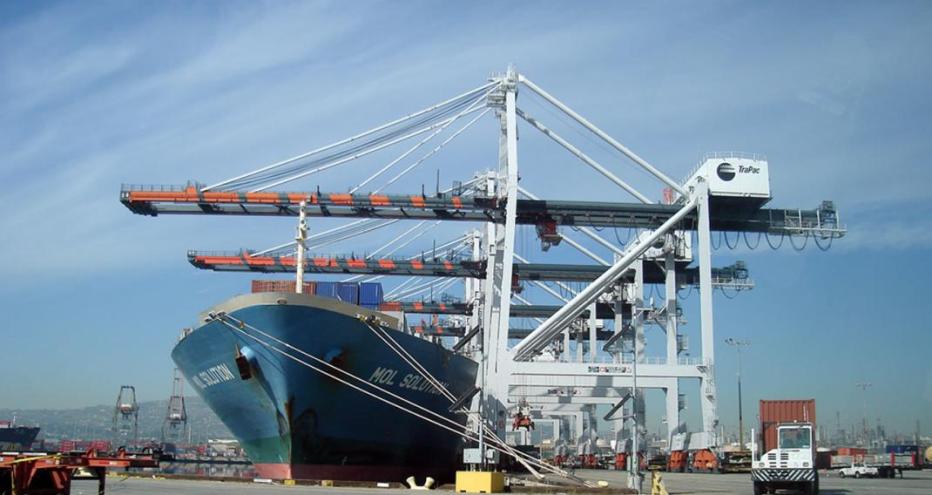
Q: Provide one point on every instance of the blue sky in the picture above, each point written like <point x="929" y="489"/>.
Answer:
<point x="95" y="95"/>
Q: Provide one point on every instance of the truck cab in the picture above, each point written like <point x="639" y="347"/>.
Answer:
<point x="789" y="466"/>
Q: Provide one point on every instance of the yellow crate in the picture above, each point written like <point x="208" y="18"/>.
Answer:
<point x="288" y="482"/>
<point x="479" y="482"/>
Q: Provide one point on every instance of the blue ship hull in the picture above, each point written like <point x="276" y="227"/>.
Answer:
<point x="296" y="423"/>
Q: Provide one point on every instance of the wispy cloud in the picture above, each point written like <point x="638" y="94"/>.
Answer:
<point x="181" y="94"/>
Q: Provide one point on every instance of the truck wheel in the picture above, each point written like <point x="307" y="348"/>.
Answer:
<point x="812" y="488"/>
<point x="841" y="474"/>
<point x="857" y="474"/>
<point x="758" y="488"/>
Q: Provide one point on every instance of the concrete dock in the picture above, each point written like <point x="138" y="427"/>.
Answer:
<point x="913" y="483"/>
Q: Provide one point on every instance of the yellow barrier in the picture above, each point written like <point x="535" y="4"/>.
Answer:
<point x="288" y="482"/>
<point x="656" y="484"/>
<point x="479" y="482"/>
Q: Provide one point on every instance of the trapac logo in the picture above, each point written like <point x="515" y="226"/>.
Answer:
<point x="727" y="171"/>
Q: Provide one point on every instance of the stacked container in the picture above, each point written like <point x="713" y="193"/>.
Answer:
<point x="281" y="286"/>
<point x="348" y="292"/>
<point x="327" y="289"/>
<point x="370" y="295"/>
<point x="367" y="294"/>
<point x="99" y="445"/>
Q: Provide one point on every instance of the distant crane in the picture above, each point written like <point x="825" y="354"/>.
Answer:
<point x="126" y="418"/>
<point x="175" y="424"/>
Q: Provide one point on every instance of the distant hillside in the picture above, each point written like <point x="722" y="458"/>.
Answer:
<point x="96" y="422"/>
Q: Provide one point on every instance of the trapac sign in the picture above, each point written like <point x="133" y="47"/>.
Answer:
<point x="735" y="176"/>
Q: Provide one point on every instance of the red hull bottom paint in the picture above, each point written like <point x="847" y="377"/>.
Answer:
<point x="349" y="473"/>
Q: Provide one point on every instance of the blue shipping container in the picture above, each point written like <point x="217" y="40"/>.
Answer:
<point x="902" y="449"/>
<point x="327" y="289"/>
<point x="348" y="292"/>
<point x="370" y="294"/>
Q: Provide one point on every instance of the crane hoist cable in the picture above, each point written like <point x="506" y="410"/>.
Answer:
<point x="778" y="246"/>
<point x="358" y="154"/>
<point x="805" y="241"/>
<point x="432" y="152"/>
<point x="427" y="110"/>
<point x="424" y="141"/>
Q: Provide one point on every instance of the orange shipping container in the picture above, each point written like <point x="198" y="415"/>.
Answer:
<point x="775" y="412"/>
<point x="851" y="451"/>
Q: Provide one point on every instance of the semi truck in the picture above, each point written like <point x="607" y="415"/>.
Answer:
<point x="788" y="453"/>
<point x="878" y="465"/>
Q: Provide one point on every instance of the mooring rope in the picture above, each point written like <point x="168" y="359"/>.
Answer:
<point x="458" y="428"/>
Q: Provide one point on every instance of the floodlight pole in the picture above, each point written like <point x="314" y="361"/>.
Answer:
<point x="864" y="386"/>
<point x="738" y="344"/>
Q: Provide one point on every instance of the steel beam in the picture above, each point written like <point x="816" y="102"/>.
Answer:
<point x="707" y="394"/>
<point x="186" y="200"/>
<point x="545" y="333"/>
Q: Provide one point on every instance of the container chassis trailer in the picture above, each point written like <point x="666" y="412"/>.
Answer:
<point x="35" y="473"/>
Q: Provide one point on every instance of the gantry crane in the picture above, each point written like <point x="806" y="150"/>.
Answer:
<point x="125" y="427"/>
<point x="725" y="194"/>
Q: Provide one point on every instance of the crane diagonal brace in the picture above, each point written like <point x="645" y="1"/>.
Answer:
<point x="541" y="337"/>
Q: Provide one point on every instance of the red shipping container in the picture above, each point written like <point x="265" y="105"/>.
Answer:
<point x="100" y="445"/>
<point x="854" y="451"/>
<point x="775" y="412"/>
<point x="66" y="446"/>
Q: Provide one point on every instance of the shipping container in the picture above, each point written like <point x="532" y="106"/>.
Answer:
<point x="852" y="451"/>
<point x="775" y="412"/>
<point x="99" y="445"/>
<point x="370" y="294"/>
<point x="66" y="446"/>
<point x="281" y="286"/>
<point x="903" y="449"/>
<point x="327" y="289"/>
<point x="348" y="292"/>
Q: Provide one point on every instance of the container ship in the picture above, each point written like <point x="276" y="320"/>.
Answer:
<point x="14" y="437"/>
<point x="296" y="423"/>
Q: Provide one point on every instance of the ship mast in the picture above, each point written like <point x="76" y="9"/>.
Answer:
<point x="300" y="238"/>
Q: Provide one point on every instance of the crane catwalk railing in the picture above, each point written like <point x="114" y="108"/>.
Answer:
<point x="603" y="310"/>
<point x="246" y="262"/>
<point x="187" y="200"/>
<point x="513" y="333"/>
<point x="147" y="195"/>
